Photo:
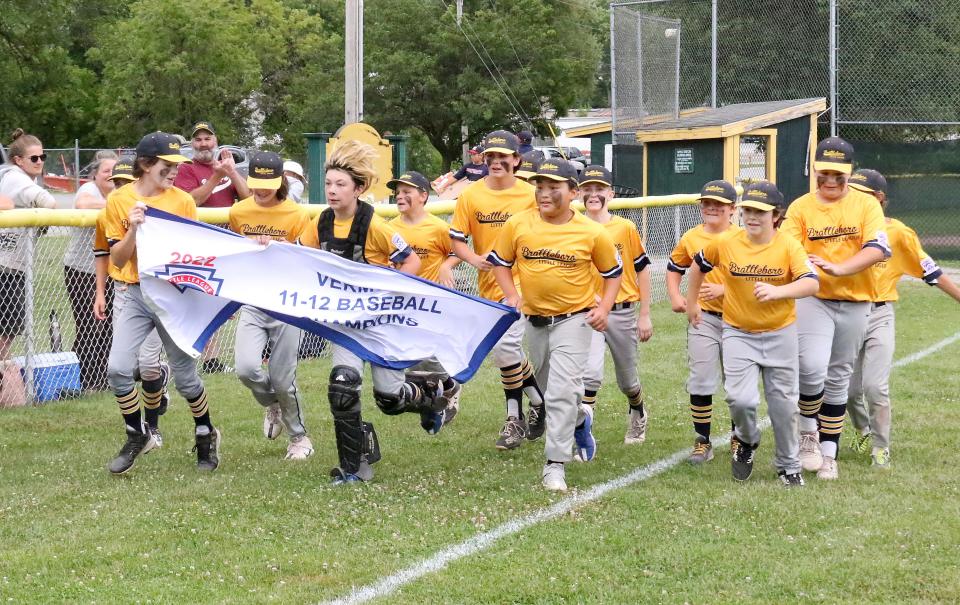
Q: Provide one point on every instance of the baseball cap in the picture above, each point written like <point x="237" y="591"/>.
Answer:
<point x="594" y="173"/>
<point x="123" y="169"/>
<point x="762" y="195"/>
<point x="160" y="145"/>
<point x="202" y="125"/>
<point x="557" y="169"/>
<point x="412" y="178"/>
<point x="525" y="136"/>
<point x="476" y="149"/>
<point x="868" y="181"/>
<point x="529" y="163"/>
<point x="834" y="153"/>
<point x="265" y="170"/>
<point x="501" y="141"/>
<point x="294" y="167"/>
<point x="720" y="191"/>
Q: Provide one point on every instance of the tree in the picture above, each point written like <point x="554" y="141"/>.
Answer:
<point x="424" y="73"/>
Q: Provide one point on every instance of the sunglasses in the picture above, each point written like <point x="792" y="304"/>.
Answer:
<point x="36" y="158"/>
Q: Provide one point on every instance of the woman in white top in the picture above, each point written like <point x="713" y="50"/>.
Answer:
<point x="92" y="344"/>
<point x="17" y="183"/>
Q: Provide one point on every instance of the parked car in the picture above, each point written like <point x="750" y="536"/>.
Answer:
<point x="570" y="153"/>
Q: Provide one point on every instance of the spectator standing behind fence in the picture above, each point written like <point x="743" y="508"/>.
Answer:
<point x="92" y="344"/>
<point x="18" y="184"/>
<point x="214" y="183"/>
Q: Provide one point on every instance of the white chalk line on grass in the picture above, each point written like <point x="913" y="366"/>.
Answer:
<point x="482" y="541"/>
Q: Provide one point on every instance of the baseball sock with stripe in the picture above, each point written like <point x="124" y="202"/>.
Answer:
<point x="512" y="379"/>
<point x="130" y="408"/>
<point x="701" y="408"/>
<point x="809" y="410"/>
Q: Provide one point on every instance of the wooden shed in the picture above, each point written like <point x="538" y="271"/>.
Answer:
<point x="773" y="140"/>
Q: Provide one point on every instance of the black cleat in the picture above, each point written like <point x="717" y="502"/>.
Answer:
<point x="208" y="451"/>
<point x="790" y="479"/>
<point x="536" y="421"/>
<point x="137" y="443"/>
<point x="743" y="460"/>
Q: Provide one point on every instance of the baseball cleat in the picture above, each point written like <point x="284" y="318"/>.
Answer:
<point x="208" y="450"/>
<point x="810" y="457"/>
<point x="164" y="394"/>
<point x="702" y="450"/>
<point x="452" y="398"/>
<point x="829" y="471"/>
<point x="860" y="442"/>
<point x="536" y="421"/>
<point x="636" y="427"/>
<point x="338" y="477"/>
<point x="157" y="437"/>
<point x="299" y="449"/>
<point x="554" y="477"/>
<point x="272" y="421"/>
<point x="742" y="464"/>
<point x="431" y="421"/>
<point x="880" y="458"/>
<point x="512" y="434"/>
<point x="790" y="479"/>
<point x="583" y="435"/>
<point x="137" y="444"/>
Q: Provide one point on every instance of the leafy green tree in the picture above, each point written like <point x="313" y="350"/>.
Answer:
<point x="423" y="71"/>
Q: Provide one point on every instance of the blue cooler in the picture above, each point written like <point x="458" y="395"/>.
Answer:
<point x="53" y="373"/>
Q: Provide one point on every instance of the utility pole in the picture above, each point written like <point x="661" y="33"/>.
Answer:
<point x="353" y="66"/>
<point x="464" y="131"/>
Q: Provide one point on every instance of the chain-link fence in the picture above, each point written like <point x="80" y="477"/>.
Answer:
<point x="889" y="74"/>
<point x="60" y="350"/>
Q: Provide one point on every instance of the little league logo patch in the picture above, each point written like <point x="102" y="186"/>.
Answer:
<point x="189" y="276"/>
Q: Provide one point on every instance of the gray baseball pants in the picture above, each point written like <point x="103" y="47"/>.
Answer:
<point x="621" y="338"/>
<point x="509" y="349"/>
<point x="385" y="380"/>
<point x="771" y="356"/>
<point x="830" y="333"/>
<point x="559" y="353"/>
<point x="134" y="323"/>
<point x="703" y="355"/>
<point x="278" y="382"/>
<point x="148" y="357"/>
<point x="869" y="400"/>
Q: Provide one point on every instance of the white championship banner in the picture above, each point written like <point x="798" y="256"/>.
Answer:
<point x="195" y="276"/>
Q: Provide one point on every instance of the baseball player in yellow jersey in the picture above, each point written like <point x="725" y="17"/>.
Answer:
<point x="150" y="367"/>
<point x="481" y="211"/>
<point x="868" y="402"/>
<point x="155" y="169"/>
<point x="556" y="252"/>
<point x="763" y="272"/>
<point x="844" y="233"/>
<point x="350" y="229"/>
<point x="717" y="199"/>
<point x="429" y="237"/>
<point x="269" y="215"/>
<point x="624" y="328"/>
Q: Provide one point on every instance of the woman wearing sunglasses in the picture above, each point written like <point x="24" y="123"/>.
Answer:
<point x="17" y="184"/>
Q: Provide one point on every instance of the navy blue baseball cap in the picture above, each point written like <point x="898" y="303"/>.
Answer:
<point x="595" y="173"/>
<point x="762" y="195"/>
<point x="835" y="154"/>
<point x="719" y="191"/>
<point x="161" y="145"/>
<point x="266" y="170"/>
<point x="412" y="178"/>
<point x="868" y="181"/>
<point x="557" y="169"/>
<point x="501" y="141"/>
<point x="529" y="164"/>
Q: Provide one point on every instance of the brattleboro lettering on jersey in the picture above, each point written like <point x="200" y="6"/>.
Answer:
<point x="833" y="231"/>
<point x="382" y="315"/>
<point x="262" y="230"/>
<point x="497" y="217"/>
<point x="756" y="272"/>
<point x="548" y="255"/>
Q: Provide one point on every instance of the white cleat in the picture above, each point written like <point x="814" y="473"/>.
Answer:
<point x="554" y="477"/>
<point x="811" y="459"/>
<point x="272" y="422"/>
<point x="299" y="449"/>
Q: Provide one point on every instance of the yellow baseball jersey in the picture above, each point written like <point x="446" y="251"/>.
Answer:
<point x="634" y="257"/>
<point x="908" y="258"/>
<point x="692" y="242"/>
<point x="835" y="232"/>
<point x="119" y="204"/>
<point x="556" y="263"/>
<point x="283" y="222"/>
<point x="383" y="246"/>
<point x="480" y="214"/>
<point x="430" y="239"/>
<point x="742" y="265"/>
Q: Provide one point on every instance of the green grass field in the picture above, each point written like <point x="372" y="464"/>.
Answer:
<point x="264" y="530"/>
